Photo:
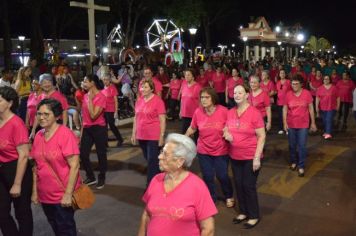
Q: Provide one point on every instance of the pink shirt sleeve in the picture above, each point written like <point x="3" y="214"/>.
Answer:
<point x="69" y="145"/>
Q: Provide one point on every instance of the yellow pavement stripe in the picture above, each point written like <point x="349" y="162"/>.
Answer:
<point x="286" y="183"/>
<point x="125" y="154"/>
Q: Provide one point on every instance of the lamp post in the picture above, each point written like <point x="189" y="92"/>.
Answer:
<point x="22" y="39"/>
<point x="245" y="44"/>
<point x="279" y="43"/>
<point x="192" y="32"/>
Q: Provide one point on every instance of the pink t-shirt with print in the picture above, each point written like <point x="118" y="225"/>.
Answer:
<point x="32" y="103"/>
<point x="282" y="90"/>
<point x="178" y="213"/>
<point x="243" y="130"/>
<point x="100" y="101"/>
<point x="147" y="118"/>
<point x="210" y="141"/>
<point x="12" y="134"/>
<point x="298" y="109"/>
<point x="328" y="98"/>
<point x="56" y="150"/>
<point x="268" y="88"/>
<point x="219" y="82"/>
<point x="260" y="101"/>
<point x="110" y="93"/>
<point x="231" y="83"/>
<point x="189" y="99"/>
<point x="174" y="86"/>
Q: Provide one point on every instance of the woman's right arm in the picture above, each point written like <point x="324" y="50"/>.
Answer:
<point x="143" y="225"/>
<point x="34" y="197"/>
<point x="133" y="136"/>
<point x="190" y="131"/>
<point x="285" y="111"/>
<point x="207" y="227"/>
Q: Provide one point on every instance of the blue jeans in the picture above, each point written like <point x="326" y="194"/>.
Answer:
<point x="61" y="219"/>
<point x="150" y="151"/>
<point x="297" y="139"/>
<point x="328" y="118"/>
<point x="211" y="165"/>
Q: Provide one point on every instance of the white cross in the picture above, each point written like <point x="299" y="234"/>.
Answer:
<point x="91" y="21"/>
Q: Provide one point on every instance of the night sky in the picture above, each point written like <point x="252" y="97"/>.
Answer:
<point x="336" y="22"/>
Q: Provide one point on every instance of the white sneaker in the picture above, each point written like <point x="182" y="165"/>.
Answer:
<point x="281" y="132"/>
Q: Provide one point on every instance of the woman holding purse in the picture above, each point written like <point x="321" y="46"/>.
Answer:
<point x="56" y="170"/>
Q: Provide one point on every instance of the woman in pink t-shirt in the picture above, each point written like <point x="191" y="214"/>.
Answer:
<point x="202" y="79"/>
<point x="209" y="120"/>
<point x="283" y="86"/>
<point x="260" y="100"/>
<point x="149" y="126"/>
<point x="231" y="83"/>
<point x="189" y="99"/>
<point x="111" y="108"/>
<point x="268" y="86"/>
<point x="32" y="102"/>
<point x="177" y="201"/>
<point x="327" y="103"/>
<point x="15" y="172"/>
<point x="94" y="130"/>
<point x="56" y="176"/>
<point x="314" y="83"/>
<point x="245" y="131"/>
<point x="298" y="110"/>
<point x="345" y="88"/>
<point x="173" y="92"/>
<point x="218" y="82"/>
<point x="334" y="77"/>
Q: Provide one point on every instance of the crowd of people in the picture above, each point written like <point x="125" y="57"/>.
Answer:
<point x="226" y="111"/>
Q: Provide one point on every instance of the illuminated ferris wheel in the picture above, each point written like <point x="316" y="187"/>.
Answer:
<point x="160" y="33"/>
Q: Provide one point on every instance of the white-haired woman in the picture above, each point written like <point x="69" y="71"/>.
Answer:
<point x="171" y="208"/>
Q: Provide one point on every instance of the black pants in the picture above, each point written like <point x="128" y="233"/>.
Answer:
<point x="173" y="104"/>
<point x="231" y="103"/>
<point x="222" y="99"/>
<point x="344" y="111"/>
<point x="280" y="117"/>
<point x="97" y="135"/>
<point x="109" y="118"/>
<point x="61" y="219"/>
<point x="150" y="151"/>
<point x="245" y="182"/>
<point x="22" y="204"/>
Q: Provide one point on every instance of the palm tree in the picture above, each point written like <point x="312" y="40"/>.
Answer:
<point x="315" y="45"/>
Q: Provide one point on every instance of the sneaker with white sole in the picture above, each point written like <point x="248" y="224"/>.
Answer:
<point x="90" y="181"/>
<point x="100" y="184"/>
<point x="281" y="132"/>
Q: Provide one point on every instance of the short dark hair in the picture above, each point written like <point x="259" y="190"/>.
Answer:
<point x="298" y="77"/>
<point x="10" y="95"/>
<point x="54" y="105"/>
<point x="212" y="93"/>
<point x="191" y="71"/>
<point x="96" y="80"/>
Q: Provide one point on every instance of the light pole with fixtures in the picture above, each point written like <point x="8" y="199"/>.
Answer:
<point x="245" y="50"/>
<point x="22" y="39"/>
<point x="192" y="32"/>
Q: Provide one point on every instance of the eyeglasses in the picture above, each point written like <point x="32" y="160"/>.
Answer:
<point x="295" y="84"/>
<point x="164" y="155"/>
<point x="44" y="114"/>
<point x="205" y="97"/>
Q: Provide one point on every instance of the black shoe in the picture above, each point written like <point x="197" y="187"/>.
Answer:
<point x="250" y="226"/>
<point x="90" y="181"/>
<point x="100" y="184"/>
<point x="236" y="221"/>
<point x="119" y="143"/>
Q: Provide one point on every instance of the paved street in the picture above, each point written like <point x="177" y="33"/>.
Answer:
<point x="321" y="203"/>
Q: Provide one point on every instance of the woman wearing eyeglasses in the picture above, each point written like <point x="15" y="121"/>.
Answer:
<point x="56" y="172"/>
<point x="15" y="172"/>
<point x="298" y="115"/>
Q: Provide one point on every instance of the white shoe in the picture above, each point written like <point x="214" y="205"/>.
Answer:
<point x="281" y="132"/>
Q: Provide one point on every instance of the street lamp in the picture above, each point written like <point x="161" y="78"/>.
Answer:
<point x="278" y="29"/>
<point x="300" y="37"/>
<point x="245" y="51"/>
<point x="192" y="32"/>
<point x="279" y="43"/>
<point x="22" y="39"/>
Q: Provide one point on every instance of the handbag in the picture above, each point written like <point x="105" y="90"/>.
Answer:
<point x="82" y="198"/>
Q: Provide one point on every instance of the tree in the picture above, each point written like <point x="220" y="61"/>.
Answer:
<point x="316" y="45"/>
<point x="6" y="32"/>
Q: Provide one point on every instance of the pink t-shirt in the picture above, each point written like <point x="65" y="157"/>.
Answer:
<point x="55" y="151"/>
<point x="243" y="130"/>
<point x="298" y="109"/>
<point x="12" y="134"/>
<point x="99" y="101"/>
<point x="147" y="118"/>
<point x="316" y="83"/>
<point x="260" y="101"/>
<point x="58" y="96"/>
<point x="219" y="82"/>
<point x="178" y="212"/>
<point x="174" y="86"/>
<point x="32" y="103"/>
<point x="335" y="79"/>
<point x="209" y="74"/>
<point x="328" y="98"/>
<point x="203" y="81"/>
<point x="157" y="84"/>
<point x="268" y="88"/>
<point x="210" y="141"/>
<point x="345" y="88"/>
<point x="231" y="83"/>
<point x="189" y="99"/>
<point x="110" y="93"/>
<point x="282" y="90"/>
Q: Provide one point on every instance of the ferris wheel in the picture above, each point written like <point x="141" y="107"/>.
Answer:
<point x="160" y="33"/>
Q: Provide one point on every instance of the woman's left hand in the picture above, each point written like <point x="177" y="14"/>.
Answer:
<point x="256" y="164"/>
<point x="66" y="200"/>
<point x="161" y="141"/>
<point x="313" y="127"/>
<point x="15" y="190"/>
